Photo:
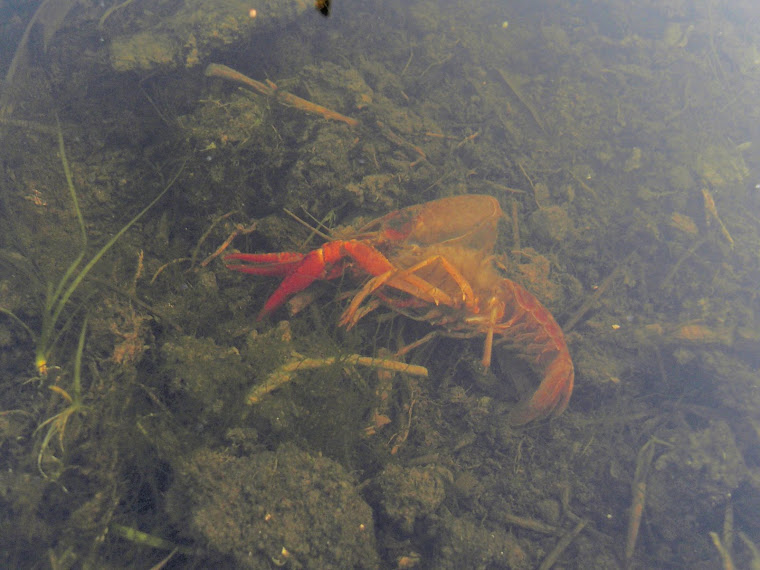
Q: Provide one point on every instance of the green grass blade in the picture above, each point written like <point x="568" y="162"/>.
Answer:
<point x="70" y="184"/>
<point x="102" y="251"/>
<point x="80" y="220"/>
<point x="58" y="298"/>
<point x="19" y="322"/>
<point x="77" y="387"/>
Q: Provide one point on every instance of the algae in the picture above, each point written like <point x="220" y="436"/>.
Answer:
<point x="618" y="140"/>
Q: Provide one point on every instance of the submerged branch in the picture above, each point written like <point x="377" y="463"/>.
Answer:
<point x="270" y="90"/>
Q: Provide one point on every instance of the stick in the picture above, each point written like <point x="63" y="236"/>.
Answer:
<point x="728" y="526"/>
<point x="271" y="90"/>
<point x="562" y="545"/>
<point x="240" y="229"/>
<point x="528" y="524"/>
<point x="752" y="548"/>
<point x="503" y="188"/>
<point x="725" y="555"/>
<point x="400" y="141"/>
<point x="524" y="102"/>
<point x="591" y="301"/>
<point x="639" y="487"/>
<point x="285" y="372"/>
<point x="711" y="212"/>
<point x="691" y="251"/>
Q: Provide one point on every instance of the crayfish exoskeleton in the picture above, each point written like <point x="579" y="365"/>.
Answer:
<point x="434" y="262"/>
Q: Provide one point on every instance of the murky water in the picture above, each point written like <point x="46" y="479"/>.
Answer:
<point x="147" y="417"/>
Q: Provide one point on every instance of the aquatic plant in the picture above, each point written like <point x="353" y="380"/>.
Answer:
<point x="56" y="425"/>
<point x="58" y="295"/>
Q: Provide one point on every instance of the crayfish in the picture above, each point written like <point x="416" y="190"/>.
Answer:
<point x="435" y="262"/>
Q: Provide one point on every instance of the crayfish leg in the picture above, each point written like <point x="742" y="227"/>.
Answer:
<point x="267" y="264"/>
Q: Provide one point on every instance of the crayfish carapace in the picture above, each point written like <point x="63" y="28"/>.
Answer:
<point x="435" y="262"/>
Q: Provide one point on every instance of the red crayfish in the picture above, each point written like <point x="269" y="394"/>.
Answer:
<point x="435" y="262"/>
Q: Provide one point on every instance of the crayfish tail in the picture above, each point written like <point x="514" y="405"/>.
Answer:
<point x="551" y="397"/>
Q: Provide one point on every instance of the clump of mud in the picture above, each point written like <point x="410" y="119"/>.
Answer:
<point x="276" y="507"/>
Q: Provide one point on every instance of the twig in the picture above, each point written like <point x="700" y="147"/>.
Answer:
<point x="725" y="545"/>
<point x="585" y="186"/>
<point x="711" y="213"/>
<point x="314" y="230"/>
<point x="520" y="166"/>
<point x="725" y="555"/>
<point x="503" y="188"/>
<point x="438" y="62"/>
<point x="284" y="373"/>
<point x="467" y="139"/>
<point x="240" y="229"/>
<point x="591" y="301"/>
<point x="728" y="525"/>
<point x="562" y="545"/>
<point x="439" y="136"/>
<point x="408" y="62"/>
<point x="166" y="560"/>
<point x="400" y="438"/>
<point x="270" y="89"/>
<point x="214" y="223"/>
<point x="639" y="488"/>
<point x="167" y="264"/>
<point x="524" y="102"/>
<point x="529" y="524"/>
<point x="689" y="252"/>
<point x="138" y="273"/>
<point x="417" y="343"/>
<point x="400" y="141"/>
<point x="752" y="548"/>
